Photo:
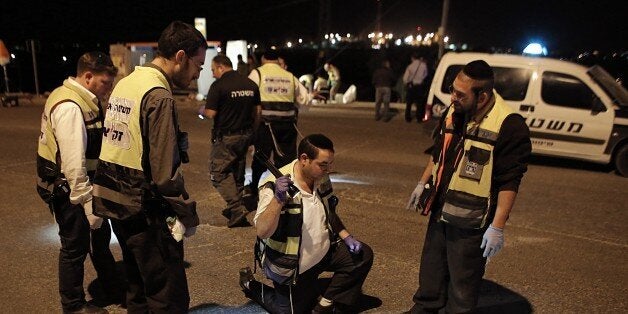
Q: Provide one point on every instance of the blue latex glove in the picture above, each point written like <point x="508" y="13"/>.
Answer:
<point x="354" y="245"/>
<point x="281" y="188"/>
<point x="492" y="241"/>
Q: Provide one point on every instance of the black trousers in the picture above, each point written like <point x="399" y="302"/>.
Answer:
<point x="76" y="239"/>
<point x="416" y="94"/>
<point x="154" y="265"/>
<point x="451" y="269"/>
<point x="345" y="287"/>
<point x="227" y="168"/>
<point x="286" y="136"/>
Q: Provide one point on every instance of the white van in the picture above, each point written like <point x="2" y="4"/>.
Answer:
<point x="572" y="111"/>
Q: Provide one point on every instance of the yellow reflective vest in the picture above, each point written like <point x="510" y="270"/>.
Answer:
<point x="48" y="156"/>
<point x="120" y="182"/>
<point x="277" y="87"/>
<point x="279" y="254"/>
<point x="468" y="195"/>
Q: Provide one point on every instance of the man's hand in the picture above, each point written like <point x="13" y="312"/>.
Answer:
<point x="94" y="221"/>
<point x="177" y="229"/>
<point x="281" y="188"/>
<point x="413" y="203"/>
<point x="353" y="245"/>
<point x="201" y="112"/>
<point x="492" y="241"/>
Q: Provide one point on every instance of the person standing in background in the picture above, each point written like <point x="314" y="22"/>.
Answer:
<point x="383" y="80"/>
<point x="242" y="67"/>
<point x="233" y="102"/>
<point x="281" y="93"/>
<point x="414" y="79"/>
<point x="333" y="79"/>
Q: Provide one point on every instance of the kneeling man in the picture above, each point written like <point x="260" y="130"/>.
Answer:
<point x="300" y="236"/>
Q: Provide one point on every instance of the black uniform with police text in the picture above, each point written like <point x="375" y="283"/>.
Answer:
<point x="234" y="98"/>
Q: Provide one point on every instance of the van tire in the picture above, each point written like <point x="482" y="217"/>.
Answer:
<point x="621" y="160"/>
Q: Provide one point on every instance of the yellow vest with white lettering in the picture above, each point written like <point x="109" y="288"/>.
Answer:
<point x="276" y="87"/>
<point x="120" y="183"/>
<point x="122" y="139"/>
<point x="468" y="196"/>
<point x="48" y="156"/>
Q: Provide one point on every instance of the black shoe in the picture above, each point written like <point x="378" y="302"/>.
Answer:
<point x="87" y="308"/>
<point x="319" y="309"/>
<point x="246" y="276"/>
<point x="249" y="191"/>
<point x="238" y="219"/>
<point x="226" y="213"/>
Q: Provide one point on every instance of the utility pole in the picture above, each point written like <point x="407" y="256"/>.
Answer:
<point x="32" y="44"/>
<point x="442" y="28"/>
<point x="378" y="27"/>
<point x="324" y="17"/>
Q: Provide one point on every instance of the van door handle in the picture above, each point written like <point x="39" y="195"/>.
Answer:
<point x="526" y="108"/>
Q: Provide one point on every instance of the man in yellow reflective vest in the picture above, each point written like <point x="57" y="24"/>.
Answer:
<point x="303" y="236"/>
<point x="469" y="187"/>
<point x="281" y="95"/>
<point x="69" y="144"/>
<point x="139" y="182"/>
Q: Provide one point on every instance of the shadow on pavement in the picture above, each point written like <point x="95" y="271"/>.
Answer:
<point x="495" y="298"/>
<point x="249" y="307"/>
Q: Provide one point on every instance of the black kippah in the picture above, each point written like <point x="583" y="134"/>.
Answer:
<point x="478" y="70"/>
<point x="271" y="55"/>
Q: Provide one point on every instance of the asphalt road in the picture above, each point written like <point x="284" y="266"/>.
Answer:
<point x="566" y="241"/>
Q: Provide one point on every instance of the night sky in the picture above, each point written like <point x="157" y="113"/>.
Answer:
<point x="564" y="25"/>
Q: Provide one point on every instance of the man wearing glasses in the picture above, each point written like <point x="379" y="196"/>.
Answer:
<point x="233" y="102"/>
<point x="139" y="183"/>
<point x="302" y="236"/>
<point x="468" y="188"/>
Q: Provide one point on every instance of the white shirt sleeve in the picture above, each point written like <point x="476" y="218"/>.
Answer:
<point x="265" y="197"/>
<point x="406" y="74"/>
<point x="69" y="129"/>
<point x="304" y="98"/>
<point x="254" y="76"/>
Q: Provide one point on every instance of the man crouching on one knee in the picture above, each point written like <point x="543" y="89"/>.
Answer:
<point x="301" y="236"/>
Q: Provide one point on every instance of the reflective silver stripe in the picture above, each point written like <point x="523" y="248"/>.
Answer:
<point x="463" y="212"/>
<point x="290" y="113"/>
<point x="111" y="195"/>
<point x="486" y="134"/>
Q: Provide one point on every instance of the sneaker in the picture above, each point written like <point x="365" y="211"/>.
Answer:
<point x="246" y="276"/>
<point x="226" y="213"/>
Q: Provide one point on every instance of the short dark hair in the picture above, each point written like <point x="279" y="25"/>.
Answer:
<point x="180" y="36"/>
<point x="310" y="145"/>
<point x="482" y="73"/>
<point x="222" y="60"/>
<point x="96" y="62"/>
<point x="271" y="55"/>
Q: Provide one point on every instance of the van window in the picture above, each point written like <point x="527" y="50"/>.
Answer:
<point x="564" y="90"/>
<point x="510" y="83"/>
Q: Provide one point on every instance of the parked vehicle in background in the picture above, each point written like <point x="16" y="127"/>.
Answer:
<point x="572" y="111"/>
